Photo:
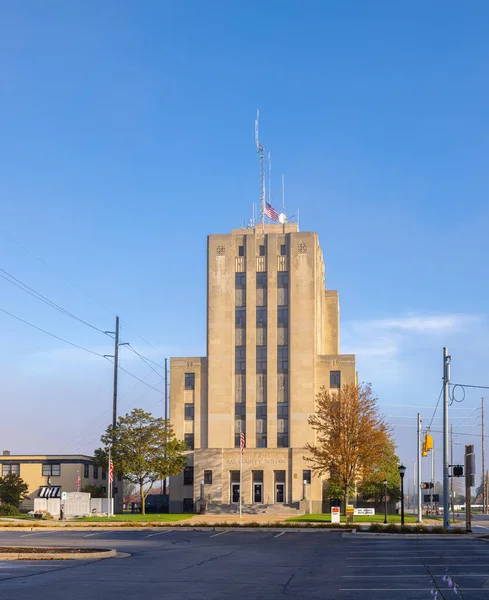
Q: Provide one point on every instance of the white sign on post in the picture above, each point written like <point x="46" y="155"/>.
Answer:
<point x="364" y="511"/>
<point x="335" y="514"/>
<point x="63" y="495"/>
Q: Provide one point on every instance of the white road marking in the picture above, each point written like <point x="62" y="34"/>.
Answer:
<point x="357" y="566"/>
<point x="91" y="534"/>
<point x="220" y="533"/>
<point x="404" y="589"/>
<point x="279" y="534"/>
<point x="38" y="533"/>
<point x="420" y="575"/>
<point x="159" y="533"/>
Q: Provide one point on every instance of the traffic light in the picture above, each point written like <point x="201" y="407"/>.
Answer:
<point x="427" y="485"/>
<point x="458" y="471"/>
<point x="428" y="442"/>
<point x="424" y="451"/>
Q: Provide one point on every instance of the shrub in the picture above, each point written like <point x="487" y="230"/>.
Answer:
<point x="9" y="510"/>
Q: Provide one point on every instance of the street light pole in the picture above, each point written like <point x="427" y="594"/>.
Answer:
<point x="385" y="501"/>
<point x="402" y="470"/>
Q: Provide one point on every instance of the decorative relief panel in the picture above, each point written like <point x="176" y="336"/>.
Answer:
<point x="302" y="248"/>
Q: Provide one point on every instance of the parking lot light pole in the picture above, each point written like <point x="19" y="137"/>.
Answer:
<point x="385" y="501"/>
<point x="402" y="470"/>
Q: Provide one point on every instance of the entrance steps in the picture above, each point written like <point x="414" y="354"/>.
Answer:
<point x="255" y="509"/>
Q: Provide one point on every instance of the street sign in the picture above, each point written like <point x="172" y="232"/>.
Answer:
<point x="63" y="495"/>
<point x="364" y="511"/>
<point x="335" y="514"/>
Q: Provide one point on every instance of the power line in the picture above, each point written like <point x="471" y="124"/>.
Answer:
<point x="31" y="291"/>
<point x="436" y="408"/>
<point x="57" y="337"/>
<point x="145" y="360"/>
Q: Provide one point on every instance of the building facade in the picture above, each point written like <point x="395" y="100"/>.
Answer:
<point x="272" y="344"/>
<point x="49" y="475"/>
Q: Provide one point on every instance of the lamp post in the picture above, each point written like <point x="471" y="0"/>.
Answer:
<point x="402" y="470"/>
<point x="385" y="501"/>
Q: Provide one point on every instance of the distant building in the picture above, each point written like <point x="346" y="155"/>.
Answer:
<point x="49" y="475"/>
<point x="272" y="344"/>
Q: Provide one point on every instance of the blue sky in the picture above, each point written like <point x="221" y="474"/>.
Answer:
<point x="127" y="137"/>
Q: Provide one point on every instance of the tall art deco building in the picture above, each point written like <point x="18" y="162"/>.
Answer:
<point x="272" y="344"/>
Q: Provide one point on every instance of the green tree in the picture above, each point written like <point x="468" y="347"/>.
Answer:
<point x="372" y="486"/>
<point x="95" y="491"/>
<point x="144" y="450"/>
<point x="13" y="489"/>
<point x="351" y="435"/>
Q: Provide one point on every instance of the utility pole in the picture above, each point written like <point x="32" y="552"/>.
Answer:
<point x="418" y="479"/>
<point x="432" y="491"/>
<point x="116" y="370"/>
<point x="446" y="381"/>
<point x="451" y="478"/>
<point x="166" y="410"/>
<point x="484" y="495"/>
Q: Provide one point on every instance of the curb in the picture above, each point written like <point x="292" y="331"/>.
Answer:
<point x="97" y="554"/>
<point x="413" y="536"/>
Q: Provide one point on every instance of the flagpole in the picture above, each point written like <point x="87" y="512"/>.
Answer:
<point x="240" y="476"/>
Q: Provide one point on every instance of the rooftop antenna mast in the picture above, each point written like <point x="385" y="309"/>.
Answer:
<point x="261" y="151"/>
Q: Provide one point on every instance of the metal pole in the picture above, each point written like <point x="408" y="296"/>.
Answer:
<point x="240" y="478"/>
<point x="402" y="498"/>
<point x="418" y="482"/>
<point x="451" y="478"/>
<point x="446" y="488"/>
<point x="484" y="497"/>
<point x="166" y="410"/>
<point x="432" y="491"/>
<point x="385" y="502"/>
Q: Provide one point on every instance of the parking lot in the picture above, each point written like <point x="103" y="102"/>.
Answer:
<point x="251" y="564"/>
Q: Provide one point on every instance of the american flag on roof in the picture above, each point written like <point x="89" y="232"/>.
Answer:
<point x="242" y="444"/>
<point x="270" y="212"/>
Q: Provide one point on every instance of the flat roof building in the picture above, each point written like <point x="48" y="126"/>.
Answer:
<point x="273" y="342"/>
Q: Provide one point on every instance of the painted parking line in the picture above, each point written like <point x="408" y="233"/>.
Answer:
<point x="220" y="533"/>
<point x="279" y="534"/>
<point x="159" y="533"/>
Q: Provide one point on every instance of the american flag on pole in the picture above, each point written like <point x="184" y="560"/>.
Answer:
<point x="78" y="482"/>
<point x="111" y="470"/>
<point x="242" y="444"/>
<point x="270" y="212"/>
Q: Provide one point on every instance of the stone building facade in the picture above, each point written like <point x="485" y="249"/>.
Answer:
<point x="272" y="344"/>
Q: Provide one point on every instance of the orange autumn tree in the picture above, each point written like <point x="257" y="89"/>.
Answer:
<point x="351" y="435"/>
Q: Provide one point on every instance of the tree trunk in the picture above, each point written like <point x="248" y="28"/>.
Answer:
<point x="143" y="498"/>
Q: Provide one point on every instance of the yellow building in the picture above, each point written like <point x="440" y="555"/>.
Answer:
<point x="272" y="344"/>
<point x="49" y="475"/>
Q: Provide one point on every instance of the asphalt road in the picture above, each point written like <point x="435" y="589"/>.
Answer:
<point x="266" y="565"/>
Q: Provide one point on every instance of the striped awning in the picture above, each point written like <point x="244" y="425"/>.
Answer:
<point x="53" y="491"/>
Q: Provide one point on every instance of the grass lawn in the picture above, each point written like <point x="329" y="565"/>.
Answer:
<point x="128" y="518"/>
<point x="326" y="518"/>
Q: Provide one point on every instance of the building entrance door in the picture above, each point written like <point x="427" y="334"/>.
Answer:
<point x="235" y="493"/>
<point x="280" y="492"/>
<point x="257" y="493"/>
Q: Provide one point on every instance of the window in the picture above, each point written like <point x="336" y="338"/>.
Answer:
<point x="189" y="440"/>
<point x="262" y="250"/>
<point x="95" y="472"/>
<point x="240" y="250"/>
<point x="240" y="316"/>
<point x="282" y="316"/>
<point x="261" y="316"/>
<point x="188" y="505"/>
<point x="261" y="359"/>
<point x="189" y="412"/>
<point x="240" y="359"/>
<point x="104" y="474"/>
<point x="282" y="335"/>
<point x="208" y="477"/>
<point x="306" y="476"/>
<point x="188" y="476"/>
<point x="240" y="297"/>
<point x="240" y="280"/>
<point x="239" y="336"/>
<point x="51" y="470"/>
<point x="116" y="490"/>
<point x="119" y="478"/>
<point x="240" y="410"/>
<point x="261" y="440"/>
<point x="86" y="471"/>
<point x="261" y="296"/>
<point x="261" y="411"/>
<point x="189" y="381"/>
<point x="261" y="426"/>
<point x="261" y="388"/>
<point x="257" y="476"/>
<point x="261" y="335"/>
<point x="335" y="380"/>
<point x="282" y="440"/>
<point x="282" y="359"/>
<point x="283" y="279"/>
<point x="261" y="280"/>
<point x="283" y="411"/>
<point x="104" y="489"/>
<point x="283" y="250"/>
<point x="237" y="440"/>
<point x="239" y="425"/>
<point x="8" y="469"/>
